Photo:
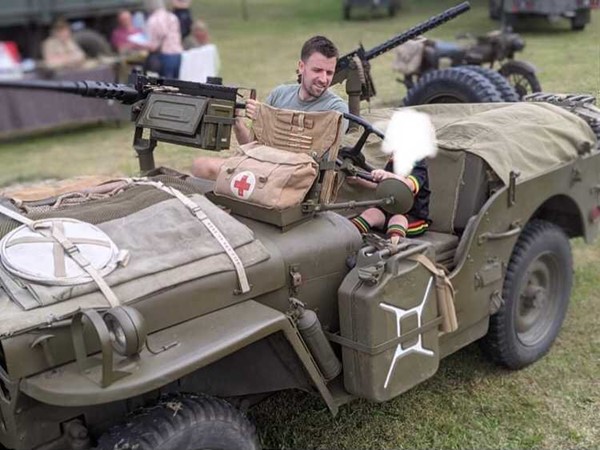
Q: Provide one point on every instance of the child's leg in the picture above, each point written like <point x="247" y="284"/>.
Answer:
<point x="371" y="218"/>
<point x="397" y="227"/>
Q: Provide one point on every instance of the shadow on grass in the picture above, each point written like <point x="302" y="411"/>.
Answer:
<point x="294" y="419"/>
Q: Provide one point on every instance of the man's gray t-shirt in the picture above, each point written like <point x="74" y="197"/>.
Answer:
<point x="286" y="97"/>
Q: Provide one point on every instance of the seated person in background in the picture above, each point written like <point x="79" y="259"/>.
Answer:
<point x="60" y="49"/>
<point x="398" y="226"/>
<point x="200" y="58"/>
<point x="316" y="67"/>
<point x="126" y="37"/>
<point x="199" y="36"/>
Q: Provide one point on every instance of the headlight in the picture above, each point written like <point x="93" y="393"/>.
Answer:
<point x="127" y="329"/>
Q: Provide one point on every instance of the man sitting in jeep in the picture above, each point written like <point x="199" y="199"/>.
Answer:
<point x="316" y="67"/>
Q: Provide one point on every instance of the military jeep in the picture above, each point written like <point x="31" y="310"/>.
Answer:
<point x="143" y="312"/>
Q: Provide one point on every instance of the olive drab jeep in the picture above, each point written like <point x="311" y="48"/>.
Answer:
<point x="141" y="312"/>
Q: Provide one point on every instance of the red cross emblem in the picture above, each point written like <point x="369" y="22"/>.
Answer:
<point x="242" y="185"/>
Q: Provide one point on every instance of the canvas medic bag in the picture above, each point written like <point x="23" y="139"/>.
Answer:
<point x="267" y="177"/>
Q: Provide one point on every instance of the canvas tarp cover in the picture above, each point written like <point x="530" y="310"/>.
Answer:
<point x="530" y="138"/>
<point x="167" y="245"/>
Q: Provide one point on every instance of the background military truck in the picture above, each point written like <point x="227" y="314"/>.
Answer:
<point x="28" y="22"/>
<point x="509" y="11"/>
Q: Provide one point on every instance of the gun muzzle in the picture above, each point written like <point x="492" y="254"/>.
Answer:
<point x="96" y="89"/>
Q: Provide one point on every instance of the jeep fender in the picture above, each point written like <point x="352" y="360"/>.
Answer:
<point x="176" y="352"/>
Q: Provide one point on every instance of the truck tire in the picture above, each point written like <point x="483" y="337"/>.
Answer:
<point x="522" y="80"/>
<point x="92" y="43"/>
<point x="454" y="85"/>
<point x="578" y="22"/>
<point x="183" y="422"/>
<point x="495" y="9"/>
<point x="346" y="10"/>
<point x="506" y="91"/>
<point x="536" y="294"/>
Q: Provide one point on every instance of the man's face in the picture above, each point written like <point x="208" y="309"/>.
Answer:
<point x="317" y="72"/>
<point x="63" y="33"/>
<point x="201" y="35"/>
<point x="125" y="19"/>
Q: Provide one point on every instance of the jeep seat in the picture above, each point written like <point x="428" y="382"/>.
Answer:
<point x="459" y="183"/>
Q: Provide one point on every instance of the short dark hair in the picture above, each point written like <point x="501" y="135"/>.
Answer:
<point x="321" y="45"/>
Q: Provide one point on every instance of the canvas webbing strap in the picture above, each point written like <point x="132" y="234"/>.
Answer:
<point x="211" y="227"/>
<point x="48" y="229"/>
<point x="444" y="291"/>
<point x="73" y="251"/>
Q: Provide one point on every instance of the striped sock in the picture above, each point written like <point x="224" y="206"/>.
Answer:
<point x="362" y="225"/>
<point x="417" y="228"/>
<point x="396" y="230"/>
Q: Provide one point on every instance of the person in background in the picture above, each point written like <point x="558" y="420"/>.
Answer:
<point x="200" y="58"/>
<point x="60" y="50"/>
<point x="126" y="37"/>
<point x="164" y="36"/>
<point x="181" y="8"/>
<point x="316" y="67"/>
<point x="198" y="37"/>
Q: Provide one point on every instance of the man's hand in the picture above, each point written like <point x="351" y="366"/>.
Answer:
<point x="241" y="130"/>
<point x="252" y="108"/>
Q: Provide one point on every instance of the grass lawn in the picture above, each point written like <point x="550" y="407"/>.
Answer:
<point x="469" y="403"/>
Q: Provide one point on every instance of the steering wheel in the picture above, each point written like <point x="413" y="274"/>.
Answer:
<point x="354" y="153"/>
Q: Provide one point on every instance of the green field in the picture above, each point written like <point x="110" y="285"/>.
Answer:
<point x="469" y="403"/>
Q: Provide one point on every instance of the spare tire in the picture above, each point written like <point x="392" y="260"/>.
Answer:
<point x="507" y="92"/>
<point x="454" y="85"/>
<point x="92" y="43"/>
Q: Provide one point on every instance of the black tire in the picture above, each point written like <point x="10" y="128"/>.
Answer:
<point x="508" y="21"/>
<point x="393" y="7"/>
<point x="506" y="91"/>
<point x="183" y="422"/>
<point x="580" y="20"/>
<point x="454" y="85"/>
<point x="536" y="294"/>
<point x="92" y="43"/>
<point x="346" y="11"/>
<point x="522" y="80"/>
<point x="495" y="9"/>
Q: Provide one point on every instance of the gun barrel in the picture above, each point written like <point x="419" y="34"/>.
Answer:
<point x="403" y="37"/>
<point x="418" y="30"/>
<point x="97" y="89"/>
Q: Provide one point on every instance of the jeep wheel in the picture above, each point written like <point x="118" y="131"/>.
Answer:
<point x="507" y="92"/>
<point x="183" y="422"/>
<point x="522" y="80"/>
<point x="536" y="294"/>
<point x="454" y="85"/>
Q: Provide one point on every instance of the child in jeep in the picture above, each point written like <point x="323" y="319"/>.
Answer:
<point x="398" y="226"/>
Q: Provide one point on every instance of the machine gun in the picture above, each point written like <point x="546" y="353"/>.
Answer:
<point x="355" y="69"/>
<point x="179" y="112"/>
